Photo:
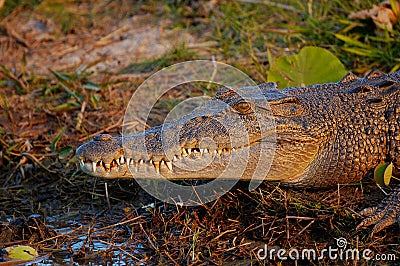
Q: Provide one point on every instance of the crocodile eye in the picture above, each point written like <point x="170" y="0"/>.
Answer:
<point x="243" y="107"/>
<point x="287" y="107"/>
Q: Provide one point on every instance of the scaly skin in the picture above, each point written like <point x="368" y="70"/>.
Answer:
<point x="325" y="135"/>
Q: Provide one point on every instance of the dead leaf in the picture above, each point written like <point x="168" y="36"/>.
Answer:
<point x="383" y="15"/>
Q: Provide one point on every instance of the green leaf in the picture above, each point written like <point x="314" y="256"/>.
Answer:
<point x="64" y="152"/>
<point x="61" y="76"/>
<point x="352" y="42"/>
<point x="62" y="107"/>
<point x="271" y="58"/>
<point x="7" y="72"/>
<point x="388" y="174"/>
<point x="56" y="139"/>
<point x="312" y="65"/>
<point x="393" y="4"/>
<point x="91" y="86"/>
<point x="379" y="174"/>
<point x="361" y="51"/>
<point x="4" y="101"/>
<point x="21" y="252"/>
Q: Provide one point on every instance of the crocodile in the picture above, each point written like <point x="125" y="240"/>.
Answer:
<point x="324" y="135"/>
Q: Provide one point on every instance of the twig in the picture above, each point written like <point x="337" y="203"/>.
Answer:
<point x="148" y="238"/>
<point x="38" y="162"/>
<point x="103" y="130"/>
<point x="107" y="198"/>
<point x="106" y="39"/>
<point x="16" y="36"/>
<point x="93" y="231"/>
<point x="118" y="224"/>
<point x="302" y="230"/>
<point x="170" y="257"/>
<point x="80" y="116"/>
<point x="63" y="235"/>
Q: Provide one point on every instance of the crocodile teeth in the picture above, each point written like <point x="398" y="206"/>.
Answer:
<point x="107" y="166"/>
<point x="157" y="166"/>
<point x="136" y="166"/>
<point x="169" y="165"/>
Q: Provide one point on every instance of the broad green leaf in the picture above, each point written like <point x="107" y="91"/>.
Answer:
<point x="21" y="252"/>
<point x="388" y="174"/>
<point x="379" y="174"/>
<point x="312" y="65"/>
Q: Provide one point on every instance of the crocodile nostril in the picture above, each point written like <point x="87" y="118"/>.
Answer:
<point x="102" y="137"/>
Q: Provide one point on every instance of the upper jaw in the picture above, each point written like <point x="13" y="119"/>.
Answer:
<point x="103" y="148"/>
<point x="104" y="156"/>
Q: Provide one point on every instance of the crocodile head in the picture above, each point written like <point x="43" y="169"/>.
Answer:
<point x="304" y="133"/>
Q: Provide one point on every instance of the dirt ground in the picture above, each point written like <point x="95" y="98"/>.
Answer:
<point x="105" y="48"/>
<point x="61" y="84"/>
